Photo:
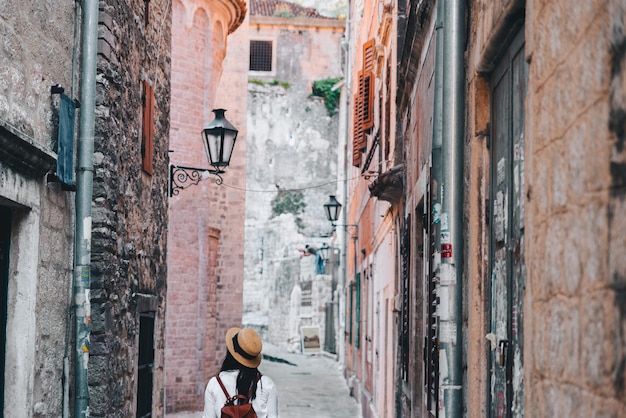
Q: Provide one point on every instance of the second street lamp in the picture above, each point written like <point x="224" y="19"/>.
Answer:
<point x="332" y="208"/>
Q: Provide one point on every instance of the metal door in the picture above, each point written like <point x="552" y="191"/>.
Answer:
<point x="145" y="365"/>
<point x="5" y="238"/>
<point x="508" y="88"/>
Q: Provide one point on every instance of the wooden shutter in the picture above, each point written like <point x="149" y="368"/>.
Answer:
<point x="368" y="84"/>
<point x="366" y="88"/>
<point x="147" y="132"/>
<point x="358" y="136"/>
<point x="363" y="104"/>
<point x="368" y="56"/>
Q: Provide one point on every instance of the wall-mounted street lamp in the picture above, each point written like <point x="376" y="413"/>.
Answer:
<point x="219" y="141"/>
<point x="333" y="209"/>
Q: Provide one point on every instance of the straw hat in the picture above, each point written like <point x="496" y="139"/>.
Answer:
<point x="245" y="345"/>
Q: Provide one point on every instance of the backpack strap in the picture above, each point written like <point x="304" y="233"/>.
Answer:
<point x="228" y="398"/>
<point x="223" y="387"/>
<point x="231" y="400"/>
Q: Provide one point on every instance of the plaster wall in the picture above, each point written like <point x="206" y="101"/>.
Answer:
<point x="291" y="148"/>
<point x="36" y="53"/>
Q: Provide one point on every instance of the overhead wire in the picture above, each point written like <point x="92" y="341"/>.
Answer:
<point x="280" y="189"/>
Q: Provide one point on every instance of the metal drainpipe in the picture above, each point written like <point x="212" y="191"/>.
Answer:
<point x="84" y="190"/>
<point x="342" y="232"/>
<point x="451" y="239"/>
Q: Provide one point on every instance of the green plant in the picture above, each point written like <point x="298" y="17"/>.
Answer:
<point x="324" y="88"/>
<point x="288" y="201"/>
<point x="283" y="84"/>
<point x="256" y="81"/>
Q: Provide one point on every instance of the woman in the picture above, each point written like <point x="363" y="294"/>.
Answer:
<point x="240" y="375"/>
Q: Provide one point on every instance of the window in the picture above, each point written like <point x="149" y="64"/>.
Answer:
<point x="261" y="56"/>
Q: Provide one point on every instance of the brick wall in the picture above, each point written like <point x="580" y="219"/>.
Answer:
<point x="130" y="207"/>
<point x="205" y="244"/>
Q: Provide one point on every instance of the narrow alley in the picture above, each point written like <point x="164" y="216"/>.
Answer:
<point x="391" y="208"/>
<point x="309" y="385"/>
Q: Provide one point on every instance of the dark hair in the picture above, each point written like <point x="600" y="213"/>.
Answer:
<point x="246" y="379"/>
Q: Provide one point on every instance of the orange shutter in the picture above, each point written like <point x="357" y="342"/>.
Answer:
<point x="357" y="132"/>
<point x="366" y="88"/>
<point x="368" y="56"/>
<point x="363" y="115"/>
<point x="368" y="85"/>
<point x="147" y="132"/>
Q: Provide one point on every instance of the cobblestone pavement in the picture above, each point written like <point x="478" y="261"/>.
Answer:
<point x="309" y="386"/>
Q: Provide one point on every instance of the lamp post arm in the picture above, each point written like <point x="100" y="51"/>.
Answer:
<point x="183" y="177"/>
<point x="346" y="226"/>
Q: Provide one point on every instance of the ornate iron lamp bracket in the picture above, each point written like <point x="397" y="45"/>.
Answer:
<point x="183" y="177"/>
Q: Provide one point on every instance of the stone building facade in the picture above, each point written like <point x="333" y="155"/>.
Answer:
<point x="129" y="207"/>
<point x="540" y="266"/>
<point x="36" y="217"/>
<point x="206" y="221"/>
<point x="372" y="199"/>
<point x="128" y="222"/>
<point x="291" y="164"/>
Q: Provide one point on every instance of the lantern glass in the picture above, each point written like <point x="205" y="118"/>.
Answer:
<point x="332" y="208"/>
<point x="219" y="140"/>
<point x="325" y="252"/>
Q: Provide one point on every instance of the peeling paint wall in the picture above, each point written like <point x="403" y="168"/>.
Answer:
<point x="292" y="149"/>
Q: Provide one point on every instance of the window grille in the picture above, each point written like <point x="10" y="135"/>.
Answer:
<point x="261" y="56"/>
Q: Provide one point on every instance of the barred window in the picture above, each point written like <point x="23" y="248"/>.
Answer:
<point x="261" y="56"/>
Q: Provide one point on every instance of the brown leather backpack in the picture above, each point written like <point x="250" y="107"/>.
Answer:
<point x="237" y="406"/>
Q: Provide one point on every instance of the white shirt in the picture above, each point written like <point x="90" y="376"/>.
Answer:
<point x="265" y="404"/>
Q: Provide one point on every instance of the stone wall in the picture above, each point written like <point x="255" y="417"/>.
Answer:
<point x="130" y="207"/>
<point x="574" y="349"/>
<point x="36" y="48"/>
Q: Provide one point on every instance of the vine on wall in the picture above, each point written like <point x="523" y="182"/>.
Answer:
<point x="324" y="88"/>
